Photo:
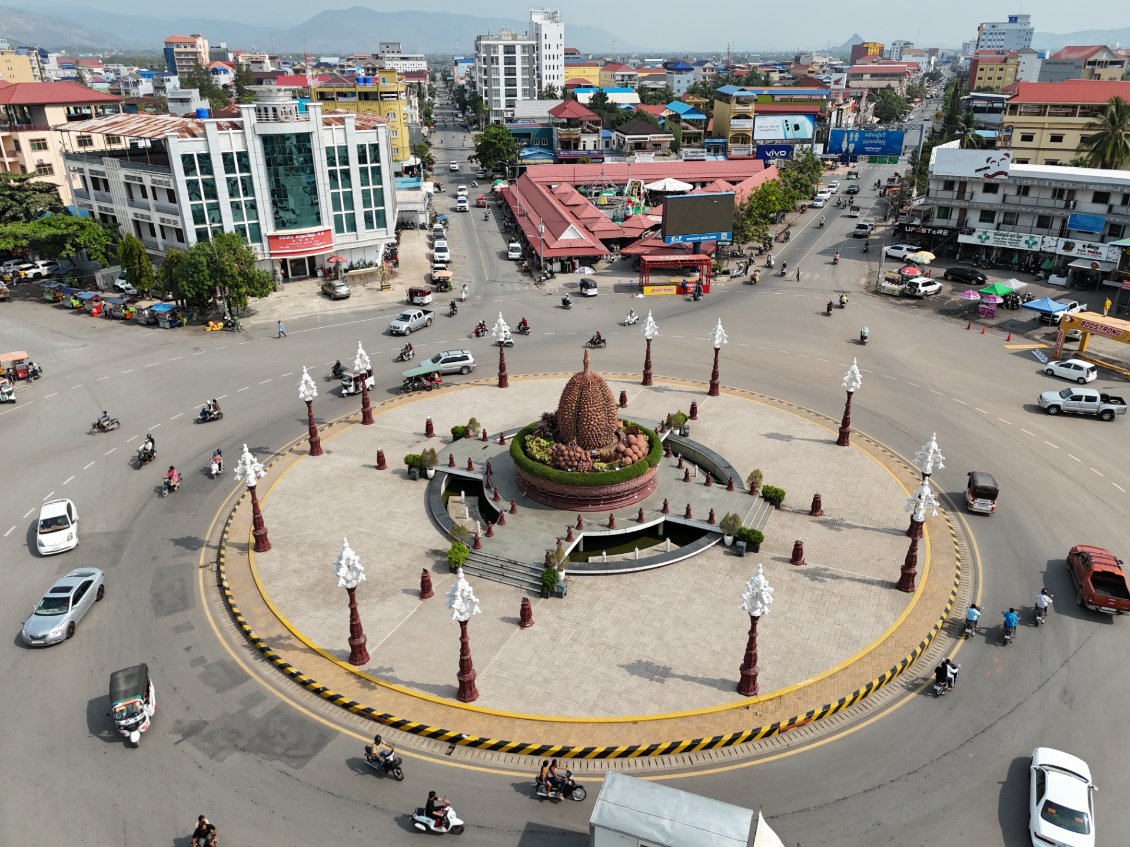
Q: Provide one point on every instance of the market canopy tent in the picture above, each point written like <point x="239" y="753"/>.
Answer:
<point x="668" y="184"/>
<point x="997" y="288"/>
<point x="1045" y="306"/>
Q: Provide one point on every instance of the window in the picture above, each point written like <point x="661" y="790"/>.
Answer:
<point x="1027" y="136"/>
<point x="37" y="145"/>
<point x="113" y="140"/>
<point x="85" y="141"/>
<point x="1116" y="231"/>
<point x="1101" y="197"/>
<point x="45" y="169"/>
<point x="947" y="185"/>
<point x="1059" y="194"/>
<point x="1022" y="190"/>
<point x="1043" y="221"/>
<point x="987" y="216"/>
<point x="290" y="178"/>
<point x="943" y="213"/>
<point x="1010" y="218"/>
<point x="990" y="188"/>
<point x="1055" y="138"/>
<point x="1125" y="200"/>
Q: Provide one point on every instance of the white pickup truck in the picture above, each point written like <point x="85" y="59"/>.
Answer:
<point x="406" y="322"/>
<point x="1082" y="401"/>
<point x="1074" y="307"/>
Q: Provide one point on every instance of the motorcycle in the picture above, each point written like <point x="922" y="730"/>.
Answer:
<point x="34" y="371"/>
<point x="836" y="259"/>
<point x="392" y="765"/>
<point x="479" y="331"/>
<point x="406" y="352"/>
<point x="866" y="246"/>
<point x="426" y="823"/>
<point x="207" y="415"/>
<point x="970" y="629"/>
<point x="630" y="319"/>
<point x="566" y="303"/>
<point x="755" y="277"/>
<point x="1041" y="615"/>
<point x="486" y="216"/>
<point x="843" y="301"/>
<point x="1008" y="633"/>
<point x="863" y="334"/>
<point x="170" y="485"/>
<point x="454" y="310"/>
<point x="940" y="688"/>
<point x="232" y="323"/>
<point x="107" y="426"/>
<point x="769" y="263"/>
<point x="335" y="372"/>
<point x="506" y="341"/>
<point x="828" y="309"/>
<point x="569" y="789"/>
<point x="597" y="342"/>
<point x="522" y="329"/>
<point x="144" y="457"/>
<point x="215" y="467"/>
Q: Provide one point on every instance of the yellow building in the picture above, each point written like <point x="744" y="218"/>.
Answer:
<point x="1044" y="122"/>
<point x="587" y="71"/>
<point x="733" y="118"/>
<point x="16" y="67"/>
<point x="384" y="93"/>
<point x="29" y="111"/>
<point x="993" y="69"/>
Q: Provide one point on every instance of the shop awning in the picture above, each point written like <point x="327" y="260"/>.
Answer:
<point x="1093" y="265"/>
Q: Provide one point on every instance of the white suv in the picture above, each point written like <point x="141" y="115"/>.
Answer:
<point x="454" y="361"/>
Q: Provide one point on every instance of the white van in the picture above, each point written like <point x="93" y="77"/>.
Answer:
<point x="513" y="250"/>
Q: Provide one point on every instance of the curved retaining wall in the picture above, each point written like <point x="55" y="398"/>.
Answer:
<point x="590" y="498"/>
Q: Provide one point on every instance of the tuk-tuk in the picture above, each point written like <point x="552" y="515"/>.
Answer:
<point x="423" y="378"/>
<point x="166" y="315"/>
<point x="442" y="280"/>
<point x="420" y="295"/>
<point x="481" y="201"/>
<point x="351" y="381"/>
<point x="87" y="301"/>
<point x="114" y="307"/>
<point x="133" y="701"/>
<point x="7" y="390"/>
<point x="15" y="365"/>
<point x="981" y="493"/>
<point x="4" y="292"/>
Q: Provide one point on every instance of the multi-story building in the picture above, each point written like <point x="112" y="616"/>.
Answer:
<point x="993" y="69"/>
<point x="617" y="75"/>
<point x="1045" y="121"/>
<point x="1012" y="34"/>
<point x="298" y="185"/>
<point x="874" y="77"/>
<point x="679" y="77"/>
<point x="1092" y="62"/>
<point x="382" y="94"/>
<point x="391" y="56"/>
<point x="865" y="51"/>
<point x="28" y="113"/>
<point x="577" y="130"/>
<point x="582" y="73"/>
<point x="186" y="101"/>
<point x="897" y="48"/>
<point x="686" y="124"/>
<point x="505" y="72"/>
<point x="548" y="30"/>
<point x="185" y="52"/>
<point x="1028" y="65"/>
<point x="734" y="108"/>
<point x="17" y="67"/>
<point x="1061" y="219"/>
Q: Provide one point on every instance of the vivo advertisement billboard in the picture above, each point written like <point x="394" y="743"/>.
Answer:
<point x="774" y="152"/>
<point x="783" y="127"/>
<point x="865" y="142"/>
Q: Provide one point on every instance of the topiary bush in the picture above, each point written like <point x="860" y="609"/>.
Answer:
<point x="750" y="535"/>
<point x="457" y="554"/>
<point x="458" y="432"/>
<point x="637" y="469"/>
<point x="773" y="494"/>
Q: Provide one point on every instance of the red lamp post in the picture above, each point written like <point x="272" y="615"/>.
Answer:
<point x="502" y="337"/>
<point x="249" y="470"/>
<point x="307" y="391"/>
<point x="362" y="365"/>
<point x="463" y="603"/>
<point x="853" y="379"/>
<point x="350" y="573"/>
<point x="756" y="600"/>
<point x="717" y="339"/>
<point x="650" y="330"/>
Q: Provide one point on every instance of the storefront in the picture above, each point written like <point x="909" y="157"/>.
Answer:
<point x="297" y="253"/>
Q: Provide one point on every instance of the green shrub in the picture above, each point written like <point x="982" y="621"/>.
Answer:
<point x="538" y="448"/>
<point x="754" y="479"/>
<point x="773" y="494"/>
<point x="458" y="432"/>
<point x="676" y="420"/>
<point x="549" y="581"/>
<point x="730" y="524"/>
<point x="535" y="468"/>
<point x="413" y="460"/>
<point x="750" y="535"/>
<point x="473" y="427"/>
<point x="457" y="554"/>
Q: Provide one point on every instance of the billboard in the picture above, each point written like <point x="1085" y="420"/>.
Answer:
<point x="865" y="142"/>
<point x="1079" y="222"/>
<point x="774" y="152"/>
<point x="783" y="127"/>
<point x="689" y="218"/>
<point x="982" y="164"/>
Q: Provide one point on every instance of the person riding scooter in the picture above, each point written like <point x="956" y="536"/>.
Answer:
<point x="480" y="329"/>
<point x="866" y="246"/>
<point x="784" y="268"/>
<point x="436" y="808"/>
<point x="821" y="224"/>
<point x="217" y="467"/>
<point x="567" y="301"/>
<point x="337" y="370"/>
<point x="843" y="301"/>
<point x="523" y="327"/>
<point x="148" y="448"/>
<point x="171" y="479"/>
<point x="836" y="258"/>
<point x="863" y="335"/>
<point x="380" y="751"/>
<point x="630" y="318"/>
<point x="205" y="833"/>
<point x="406" y="352"/>
<point x="828" y="308"/>
<point x="454" y="310"/>
<point x="104" y="421"/>
<point x="596" y="339"/>
<point x="486" y="215"/>
<point x="755" y="277"/>
<point x="209" y="410"/>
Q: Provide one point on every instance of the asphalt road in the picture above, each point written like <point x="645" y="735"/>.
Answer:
<point x="273" y="766"/>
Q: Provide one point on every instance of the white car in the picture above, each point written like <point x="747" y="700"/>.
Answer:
<point x="123" y="286"/>
<point x="822" y="194"/>
<point x="1061" y="809"/>
<point x="461" y="205"/>
<point x="833" y="186"/>
<point x="57" y="528"/>
<point x="900" y="251"/>
<point x="819" y="202"/>
<point x="513" y="250"/>
<point x="1074" y="369"/>
<point x="440" y="251"/>
<point x="453" y="167"/>
<point x="461" y="191"/>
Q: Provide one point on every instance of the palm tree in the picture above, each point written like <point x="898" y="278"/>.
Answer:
<point x="1109" y="147"/>
<point x="966" y="132"/>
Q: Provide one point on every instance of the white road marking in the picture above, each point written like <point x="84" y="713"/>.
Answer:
<point x="131" y="370"/>
<point x="915" y="384"/>
<point x="288" y="373"/>
<point x="9" y="532"/>
<point x="1119" y="487"/>
<point x="887" y="376"/>
<point x="154" y="426"/>
<point x="52" y="394"/>
<point x="982" y="411"/>
<point x="265" y="381"/>
<point x="1026" y="432"/>
<point x="1100" y="473"/>
<point x="49" y="496"/>
<point x="199" y="352"/>
<point x="932" y="391"/>
<point x="73" y="387"/>
<point x="177" y="415"/>
<point x="962" y="402"/>
<point x="764" y="348"/>
<point x="132" y="438"/>
<point x="68" y="479"/>
<point x="176" y="358"/>
<point x="1053" y="446"/>
<point x="152" y="364"/>
<point x="221" y="397"/>
<point x="819" y="360"/>
<point x="1003" y="421"/>
<point x="111" y="450"/>
<point x="28" y="512"/>
<point x="87" y="467"/>
<point x="101" y="378"/>
<point x="244" y="388"/>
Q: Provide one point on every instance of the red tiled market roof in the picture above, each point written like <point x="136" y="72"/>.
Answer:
<point x="658" y="110"/>
<point x="574" y="109"/>
<point x="1072" y="91"/>
<point x="1077" y="52"/>
<point x="50" y="94"/>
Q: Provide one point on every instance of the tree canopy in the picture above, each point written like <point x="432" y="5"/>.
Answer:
<point x="202" y="81"/>
<point x="135" y="262"/>
<point x="495" y="148"/>
<point x="226" y="264"/>
<point x="889" y="105"/>
<point x="1109" y="145"/>
<point x="24" y="197"/>
<point x="798" y="178"/>
<point x="60" y="237"/>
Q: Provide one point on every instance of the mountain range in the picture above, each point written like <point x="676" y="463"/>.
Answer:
<point x="350" y="30"/>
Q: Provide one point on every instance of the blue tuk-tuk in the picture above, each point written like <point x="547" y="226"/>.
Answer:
<point x="166" y="314"/>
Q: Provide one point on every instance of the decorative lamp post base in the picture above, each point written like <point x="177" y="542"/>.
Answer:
<point x="315" y="439"/>
<point x="503" y="376"/>
<point x="909" y="568"/>
<point x="844" y="439"/>
<point x="358" y="655"/>
<point x="366" y="407"/>
<point x="258" y="528"/>
<point x="468" y="693"/>
<point x="647" y="365"/>
<point x="713" y="392"/>
<point x="747" y="684"/>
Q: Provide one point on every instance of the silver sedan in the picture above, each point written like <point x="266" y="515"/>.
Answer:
<point x="66" y="602"/>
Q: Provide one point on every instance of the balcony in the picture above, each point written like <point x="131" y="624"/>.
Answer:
<point x="138" y="203"/>
<point x="81" y="194"/>
<point x="167" y="208"/>
<point x="103" y="197"/>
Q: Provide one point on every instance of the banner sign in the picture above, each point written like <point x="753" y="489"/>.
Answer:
<point x="865" y="142"/>
<point x="1080" y="222"/>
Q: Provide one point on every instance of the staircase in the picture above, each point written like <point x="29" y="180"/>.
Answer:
<point x="506" y="571"/>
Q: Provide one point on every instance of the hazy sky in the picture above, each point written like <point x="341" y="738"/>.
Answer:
<point x="667" y="25"/>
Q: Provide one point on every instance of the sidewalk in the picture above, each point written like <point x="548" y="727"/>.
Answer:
<point x="623" y="647"/>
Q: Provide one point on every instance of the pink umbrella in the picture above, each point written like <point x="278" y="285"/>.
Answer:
<point x="992" y="298"/>
<point x="971" y="296"/>
<point x="332" y="259"/>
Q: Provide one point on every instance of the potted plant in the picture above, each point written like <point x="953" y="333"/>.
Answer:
<point x="548" y="581"/>
<point x="457" y="554"/>
<point x="754" y="480"/>
<point x="428" y="461"/>
<point x="458" y="432"/>
<point x="773" y="495"/>
<point x="752" y="538"/>
<point x="730" y="524"/>
<point x="414" y="464"/>
<point x="472" y="428"/>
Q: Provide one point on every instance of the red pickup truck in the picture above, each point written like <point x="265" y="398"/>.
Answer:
<point x="1099" y="580"/>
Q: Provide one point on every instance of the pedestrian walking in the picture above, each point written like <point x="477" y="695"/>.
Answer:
<point x="282" y="330"/>
<point x="798" y="273"/>
<point x="1106" y="306"/>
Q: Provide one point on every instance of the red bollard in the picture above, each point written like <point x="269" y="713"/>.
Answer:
<point x="502" y="518"/>
<point x="513" y="507"/>
<point x="982" y="330"/>
<point x="381" y="464"/>
<point x="687" y="475"/>
<point x="687" y="514"/>
<point x="451" y="460"/>
<point x="694" y="410"/>
<point x="526" y="614"/>
<point x="680" y="464"/>
<point x="568" y="533"/>
<point x="623" y="399"/>
<point x="798" y="553"/>
<point x="666" y="509"/>
<point x="470" y="464"/>
<point x="709" y="480"/>
<point x="490" y="530"/>
<point x="580" y="522"/>
<point x="429" y="430"/>
<point x="478" y="545"/>
<point x="817" y="509"/>
<point x="501" y="438"/>
<point x="611" y="521"/>
<point x="752" y="491"/>
<point x="710" y="519"/>
<point x="729" y="483"/>
<point x="496" y="497"/>
<point x="968" y="324"/>
<point x="666" y="450"/>
<point x="639" y="515"/>
<point x="425" y="585"/>
<point x="484" y="435"/>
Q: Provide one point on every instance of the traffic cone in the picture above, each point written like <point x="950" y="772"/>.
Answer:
<point x="982" y="330"/>
<point x="968" y="324"/>
<point x="1009" y="338"/>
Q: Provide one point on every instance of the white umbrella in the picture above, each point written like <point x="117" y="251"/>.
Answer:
<point x="584" y="270"/>
<point x="922" y="257"/>
<point x="668" y="184"/>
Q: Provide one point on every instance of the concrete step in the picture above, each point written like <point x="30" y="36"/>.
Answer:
<point x="517" y="574"/>
<point x="761" y="514"/>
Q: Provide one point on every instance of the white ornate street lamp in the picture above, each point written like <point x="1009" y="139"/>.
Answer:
<point x="650" y="331"/>
<point x="249" y="470"/>
<point x="463" y="603"/>
<point x="362" y="364"/>
<point x="717" y="338"/>
<point x="756" y="600"/>
<point x="350" y="573"/>
<point x="853" y="379"/>
<point x="918" y="504"/>
<point x="501" y="335"/>
<point x="307" y="391"/>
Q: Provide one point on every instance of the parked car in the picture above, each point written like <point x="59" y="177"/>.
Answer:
<point x="40" y="269"/>
<point x="1061" y="808"/>
<point x="1075" y="370"/>
<point x="1074" y="307"/>
<point x="57" y="528"/>
<point x="335" y="289"/>
<point x="967" y="276"/>
<point x="833" y="186"/>
<point x="440" y="251"/>
<point x="11" y="266"/>
<point x="123" y="286"/>
<point x="922" y="287"/>
<point x="900" y="251"/>
<point x="454" y="361"/>
<point x="65" y="604"/>
<point x="513" y="250"/>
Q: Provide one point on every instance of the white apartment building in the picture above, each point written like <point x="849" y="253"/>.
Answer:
<point x="185" y="52"/>
<point x="505" y="72"/>
<point x="299" y="186"/>
<point x="1014" y="34"/>
<point x="391" y="56"/>
<point x="548" y="31"/>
